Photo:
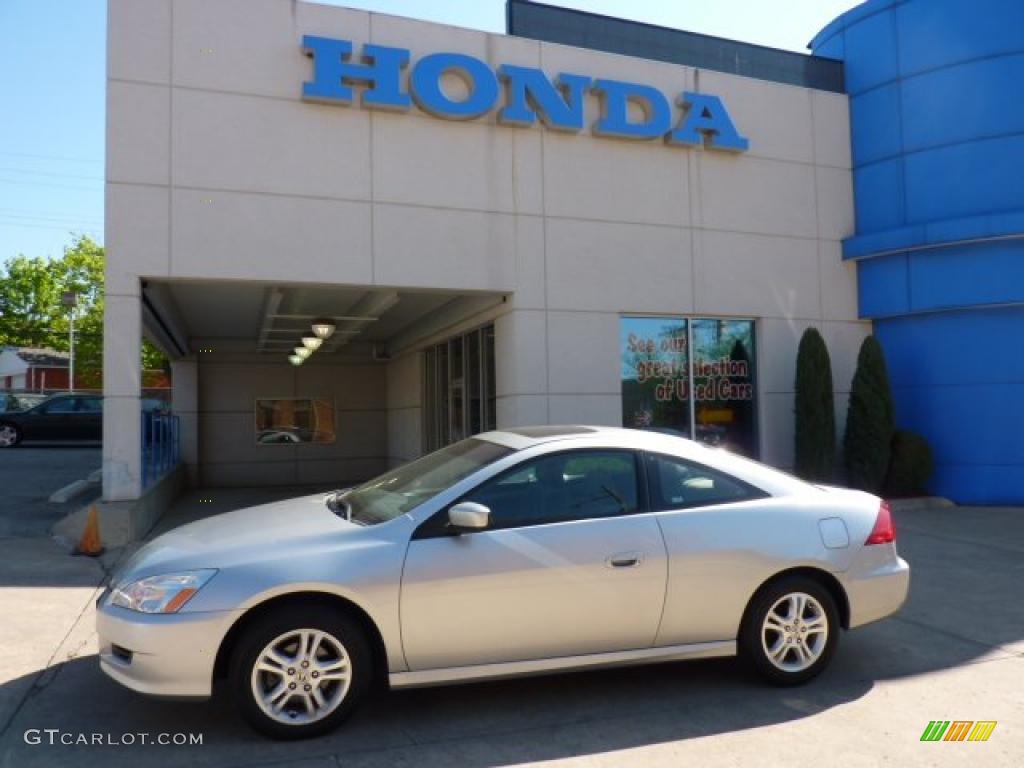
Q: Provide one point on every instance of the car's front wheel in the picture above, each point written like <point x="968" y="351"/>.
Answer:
<point x="790" y="630"/>
<point x="10" y="435"/>
<point x="300" y="671"/>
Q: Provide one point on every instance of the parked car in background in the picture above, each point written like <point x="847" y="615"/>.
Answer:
<point x="285" y="436"/>
<point x="60" y="417"/>
<point x="155" y="405"/>
<point x="514" y="552"/>
<point x="19" y="401"/>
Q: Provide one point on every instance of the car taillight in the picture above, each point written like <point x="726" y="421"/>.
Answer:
<point x="884" y="531"/>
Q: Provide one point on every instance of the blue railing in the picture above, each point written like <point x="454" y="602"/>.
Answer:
<point x="160" y="445"/>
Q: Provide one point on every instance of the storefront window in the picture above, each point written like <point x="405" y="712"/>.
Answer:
<point x="655" y="373"/>
<point x="291" y="420"/>
<point x="723" y="384"/>
<point x="694" y="377"/>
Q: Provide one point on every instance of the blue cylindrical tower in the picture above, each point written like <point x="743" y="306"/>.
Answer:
<point x="937" y="123"/>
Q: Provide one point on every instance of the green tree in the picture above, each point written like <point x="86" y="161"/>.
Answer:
<point x="815" y="454"/>
<point x="870" y="424"/>
<point x="32" y="314"/>
<point x="910" y="467"/>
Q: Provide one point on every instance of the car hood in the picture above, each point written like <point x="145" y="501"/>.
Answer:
<point x="241" y="536"/>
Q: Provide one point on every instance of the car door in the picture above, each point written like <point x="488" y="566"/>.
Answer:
<point x="89" y="421"/>
<point x="569" y="565"/>
<point x="51" y="420"/>
<point x="715" y="527"/>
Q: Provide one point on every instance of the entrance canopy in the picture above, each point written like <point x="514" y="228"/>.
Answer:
<point x="189" y="317"/>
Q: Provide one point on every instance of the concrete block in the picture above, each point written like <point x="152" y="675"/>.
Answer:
<point x="214" y="42"/>
<point x="609" y="180"/>
<point x="583" y="353"/>
<point x="835" y="203"/>
<point x="751" y="194"/>
<point x="520" y="350"/>
<point x="522" y="410"/>
<point x="649" y="267"/>
<point x="137" y="236"/>
<point x="225" y="234"/>
<point x="756" y="275"/>
<point x="831" y="112"/>
<point x="138" y="133"/>
<point x="776" y="118"/>
<point x="602" y="410"/>
<point x="139" y="40"/>
<point x="443" y="248"/>
<point x="254" y="144"/>
<point x="421" y="160"/>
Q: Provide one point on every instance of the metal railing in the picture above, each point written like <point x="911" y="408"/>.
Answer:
<point x="161" y="448"/>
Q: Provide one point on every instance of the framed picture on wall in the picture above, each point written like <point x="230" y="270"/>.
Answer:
<point x="294" y="420"/>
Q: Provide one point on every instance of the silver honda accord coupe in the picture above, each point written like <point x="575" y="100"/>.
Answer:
<point x="515" y="552"/>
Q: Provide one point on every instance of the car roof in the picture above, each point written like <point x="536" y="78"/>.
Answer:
<point x="760" y="475"/>
<point x="519" y="438"/>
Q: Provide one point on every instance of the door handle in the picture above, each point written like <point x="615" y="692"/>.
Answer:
<point x="625" y="560"/>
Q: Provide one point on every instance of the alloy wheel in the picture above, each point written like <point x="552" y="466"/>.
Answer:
<point x="794" y="633"/>
<point x="301" y="676"/>
<point x="8" y="436"/>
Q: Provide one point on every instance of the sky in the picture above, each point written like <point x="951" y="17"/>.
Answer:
<point x="52" y="77"/>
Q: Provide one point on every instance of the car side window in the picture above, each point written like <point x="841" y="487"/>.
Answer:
<point x="575" y="485"/>
<point x="61" y="405"/>
<point x="676" y="484"/>
<point x="90" y="405"/>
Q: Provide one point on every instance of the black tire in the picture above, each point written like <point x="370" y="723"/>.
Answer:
<point x="255" y="639"/>
<point x="755" y="641"/>
<point x="4" y="425"/>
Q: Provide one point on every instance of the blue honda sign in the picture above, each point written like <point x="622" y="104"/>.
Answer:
<point x="526" y="95"/>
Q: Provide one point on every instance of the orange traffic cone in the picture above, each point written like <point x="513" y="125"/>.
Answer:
<point x="90" y="543"/>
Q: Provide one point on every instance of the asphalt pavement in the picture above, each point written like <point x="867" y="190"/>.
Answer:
<point x="30" y="473"/>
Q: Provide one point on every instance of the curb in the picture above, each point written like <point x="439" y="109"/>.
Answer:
<point x="69" y="491"/>
<point x="918" y="503"/>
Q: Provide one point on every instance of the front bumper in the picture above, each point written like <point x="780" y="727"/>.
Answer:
<point x="877" y="585"/>
<point x="161" y="654"/>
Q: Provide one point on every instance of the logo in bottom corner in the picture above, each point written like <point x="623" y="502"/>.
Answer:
<point x="958" y="730"/>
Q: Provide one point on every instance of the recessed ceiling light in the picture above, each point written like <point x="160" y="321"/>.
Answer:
<point x="323" y="329"/>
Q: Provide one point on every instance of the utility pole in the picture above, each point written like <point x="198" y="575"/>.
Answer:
<point x="70" y="300"/>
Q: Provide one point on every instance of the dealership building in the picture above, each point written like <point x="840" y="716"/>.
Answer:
<point x="359" y="237"/>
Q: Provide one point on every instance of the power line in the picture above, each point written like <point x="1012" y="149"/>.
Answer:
<point x="51" y="157"/>
<point x="47" y="184"/>
<point x="96" y="232"/>
<point x="22" y="213"/>
<point x="52" y="174"/>
<point x="74" y="223"/>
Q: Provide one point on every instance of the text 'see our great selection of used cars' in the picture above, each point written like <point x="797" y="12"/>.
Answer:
<point x="511" y="553"/>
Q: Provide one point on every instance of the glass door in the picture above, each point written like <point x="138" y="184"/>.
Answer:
<point x="458" y="388"/>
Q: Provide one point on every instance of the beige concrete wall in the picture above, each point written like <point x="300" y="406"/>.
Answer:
<point x="216" y="167"/>
<point x="228" y="453"/>
<point x="404" y="390"/>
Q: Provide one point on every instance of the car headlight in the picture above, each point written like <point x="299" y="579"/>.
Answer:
<point x="160" y="594"/>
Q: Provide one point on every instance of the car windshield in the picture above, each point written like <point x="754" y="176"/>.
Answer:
<point x="400" y="490"/>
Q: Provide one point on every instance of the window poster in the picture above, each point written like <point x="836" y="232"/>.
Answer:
<point x="660" y="372"/>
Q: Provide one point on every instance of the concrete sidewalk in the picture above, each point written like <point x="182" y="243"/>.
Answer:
<point x="30" y="473"/>
<point x="956" y="652"/>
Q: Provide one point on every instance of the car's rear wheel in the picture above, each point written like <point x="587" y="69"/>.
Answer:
<point x="10" y="435"/>
<point x="300" y="671"/>
<point x="790" y="630"/>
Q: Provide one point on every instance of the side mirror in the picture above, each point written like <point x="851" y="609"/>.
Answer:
<point x="468" y="516"/>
